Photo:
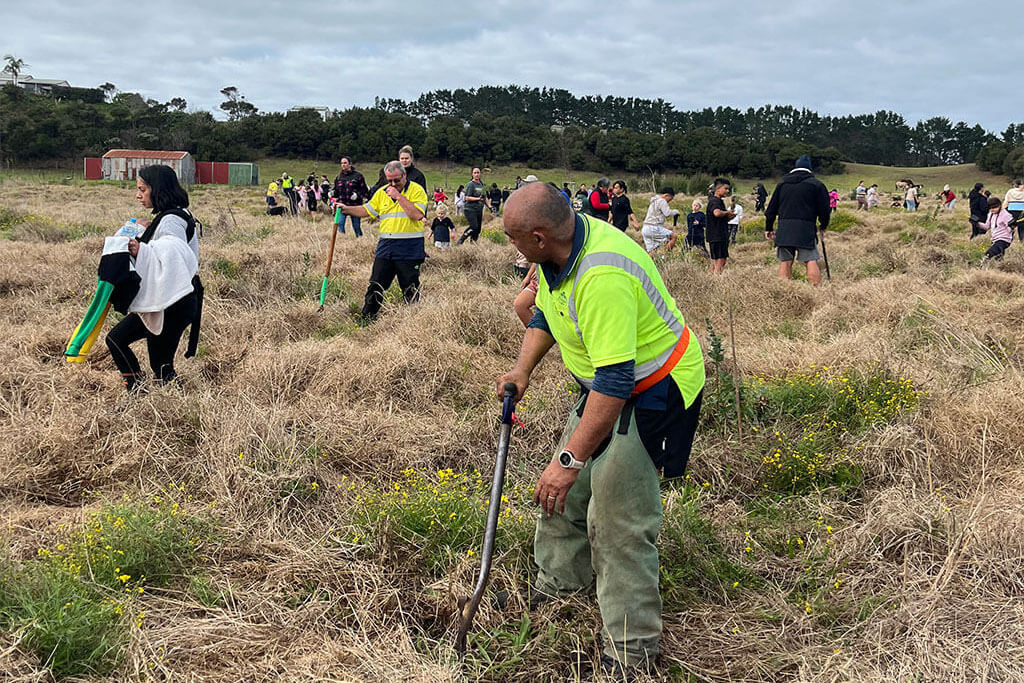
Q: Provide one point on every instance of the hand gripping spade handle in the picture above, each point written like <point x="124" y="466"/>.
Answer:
<point x="468" y="606"/>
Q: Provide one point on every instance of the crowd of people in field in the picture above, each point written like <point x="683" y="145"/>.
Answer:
<point x="587" y="286"/>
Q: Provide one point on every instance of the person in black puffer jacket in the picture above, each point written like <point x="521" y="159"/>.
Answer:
<point x="799" y="200"/>
<point x="978" y="203"/>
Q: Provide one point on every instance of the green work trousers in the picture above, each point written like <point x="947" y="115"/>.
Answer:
<point x="608" y="532"/>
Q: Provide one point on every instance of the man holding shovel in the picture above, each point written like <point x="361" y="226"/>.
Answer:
<point x="400" y="206"/>
<point x="799" y="200"/>
<point x="641" y="372"/>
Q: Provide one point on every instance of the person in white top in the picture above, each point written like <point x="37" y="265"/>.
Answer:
<point x="734" y="222"/>
<point x="872" y="195"/>
<point x="654" y="232"/>
<point x="166" y="258"/>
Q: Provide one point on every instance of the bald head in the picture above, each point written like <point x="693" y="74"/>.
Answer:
<point x="538" y="206"/>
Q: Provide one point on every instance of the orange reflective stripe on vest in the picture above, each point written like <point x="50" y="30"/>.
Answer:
<point x="664" y="371"/>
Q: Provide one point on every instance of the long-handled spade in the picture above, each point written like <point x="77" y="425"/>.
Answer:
<point x="824" y="255"/>
<point x="469" y="605"/>
<point x="330" y="258"/>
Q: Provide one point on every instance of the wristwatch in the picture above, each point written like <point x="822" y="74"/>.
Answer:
<point x="567" y="460"/>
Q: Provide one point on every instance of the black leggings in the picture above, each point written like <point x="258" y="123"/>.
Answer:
<point x="381" y="277"/>
<point x="161" y="347"/>
<point x="475" y="219"/>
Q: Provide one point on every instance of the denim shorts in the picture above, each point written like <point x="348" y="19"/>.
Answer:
<point x="792" y="253"/>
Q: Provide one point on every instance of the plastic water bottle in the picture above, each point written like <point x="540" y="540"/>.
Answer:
<point x="130" y="228"/>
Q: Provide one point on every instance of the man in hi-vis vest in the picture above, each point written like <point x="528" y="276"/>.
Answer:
<point x="641" y="372"/>
<point x="399" y="206"/>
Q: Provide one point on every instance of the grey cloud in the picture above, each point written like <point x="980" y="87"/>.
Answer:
<point x="831" y="56"/>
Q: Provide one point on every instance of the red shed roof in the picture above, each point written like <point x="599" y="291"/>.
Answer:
<point x="143" y="154"/>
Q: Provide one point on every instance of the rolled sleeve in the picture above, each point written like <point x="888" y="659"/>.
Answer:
<point x="539" y="322"/>
<point x="615" y="380"/>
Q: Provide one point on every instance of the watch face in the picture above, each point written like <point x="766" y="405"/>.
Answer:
<point x="564" y="459"/>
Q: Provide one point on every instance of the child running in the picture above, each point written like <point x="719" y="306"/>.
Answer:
<point x="998" y="228"/>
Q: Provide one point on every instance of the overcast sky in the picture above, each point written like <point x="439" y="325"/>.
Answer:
<point x="919" y="59"/>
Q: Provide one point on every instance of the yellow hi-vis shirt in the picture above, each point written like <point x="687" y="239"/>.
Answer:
<point x="394" y="224"/>
<point x="271" y="189"/>
<point x="613" y="307"/>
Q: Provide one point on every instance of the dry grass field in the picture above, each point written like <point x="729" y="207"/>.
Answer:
<point x="305" y="506"/>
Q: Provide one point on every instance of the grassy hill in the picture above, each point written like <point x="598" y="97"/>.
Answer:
<point x="308" y="504"/>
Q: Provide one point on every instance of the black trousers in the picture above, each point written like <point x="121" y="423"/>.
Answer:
<point x="293" y="200"/>
<point x="996" y="250"/>
<point x="475" y="219"/>
<point x="162" y="347"/>
<point x="381" y="277"/>
<point x="1018" y="220"/>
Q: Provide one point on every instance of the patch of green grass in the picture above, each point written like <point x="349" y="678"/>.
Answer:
<point x="790" y="329"/>
<point x="439" y="517"/>
<point x="694" y="564"/>
<point x="810" y="417"/>
<point x="854" y="398"/>
<point x="496" y="236"/>
<point x="8" y="219"/>
<point x="842" y="221"/>
<point x="72" y="602"/>
<point x="207" y="592"/>
<point x="227" y="268"/>
<point x="71" y="626"/>
<point x="129" y="544"/>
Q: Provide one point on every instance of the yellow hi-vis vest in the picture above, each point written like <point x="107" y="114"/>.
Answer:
<point x="613" y="307"/>
<point x="286" y="184"/>
<point x="394" y="224"/>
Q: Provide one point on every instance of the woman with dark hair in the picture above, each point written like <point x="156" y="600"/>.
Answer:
<point x="169" y="298"/>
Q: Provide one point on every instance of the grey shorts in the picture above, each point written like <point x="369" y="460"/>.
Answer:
<point x="802" y="255"/>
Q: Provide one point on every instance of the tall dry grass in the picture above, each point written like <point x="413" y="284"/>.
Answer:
<point x="927" y="552"/>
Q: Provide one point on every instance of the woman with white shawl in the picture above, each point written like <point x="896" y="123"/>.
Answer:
<point x="166" y="258"/>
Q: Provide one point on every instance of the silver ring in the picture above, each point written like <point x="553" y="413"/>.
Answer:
<point x="551" y="497"/>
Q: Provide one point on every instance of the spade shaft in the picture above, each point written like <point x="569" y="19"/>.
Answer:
<point x="824" y="256"/>
<point x="327" y="275"/>
<point x="468" y="606"/>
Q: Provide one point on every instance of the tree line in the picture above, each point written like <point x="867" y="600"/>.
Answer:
<point x="489" y="125"/>
<point x="1005" y="156"/>
<point x="883" y="137"/>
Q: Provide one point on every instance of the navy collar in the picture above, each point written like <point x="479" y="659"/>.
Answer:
<point x="579" y="237"/>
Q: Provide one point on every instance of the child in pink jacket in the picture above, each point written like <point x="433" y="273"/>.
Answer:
<point x="998" y="228"/>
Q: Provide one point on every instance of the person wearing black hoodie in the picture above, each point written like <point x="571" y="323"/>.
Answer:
<point x="978" y="203"/>
<point x="761" y="196"/>
<point x="798" y="201"/>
